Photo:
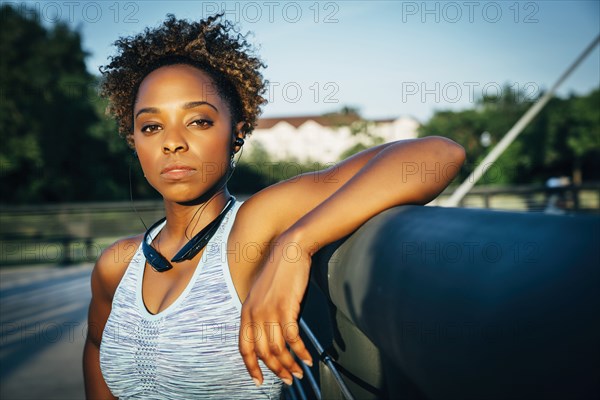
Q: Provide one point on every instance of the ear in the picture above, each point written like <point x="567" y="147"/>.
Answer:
<point x="240" y="130"/>
<point x="239" y="133"/>
<point x="130" y="139"/>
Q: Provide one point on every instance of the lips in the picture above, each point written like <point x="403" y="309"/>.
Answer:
<point x="177" y="171"/>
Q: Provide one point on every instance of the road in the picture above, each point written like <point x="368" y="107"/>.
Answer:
<point x="43" y="312"/>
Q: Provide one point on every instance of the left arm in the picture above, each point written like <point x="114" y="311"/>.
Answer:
<point x="405" y="172"/>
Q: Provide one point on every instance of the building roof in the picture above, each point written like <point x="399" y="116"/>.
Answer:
<point x="323" y="120"/>
<point x="384" y="120"/>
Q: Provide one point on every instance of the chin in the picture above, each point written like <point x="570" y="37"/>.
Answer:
<point x="186" y="196"/>
<point x="188" y="191"/>
<point x="183" y="199"/>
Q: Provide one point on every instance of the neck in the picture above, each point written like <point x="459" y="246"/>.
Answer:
<point x="184" y="220"/>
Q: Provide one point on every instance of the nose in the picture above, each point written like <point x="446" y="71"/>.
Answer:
<point x="174" y="141"/>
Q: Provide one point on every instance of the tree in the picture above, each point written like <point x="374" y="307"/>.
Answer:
<point x="562" y="137"/>
<point x="364" y="131"/>
<point x="360" y="128"/>
<point x="57" y="145"/>
<point x="576" y="127"/>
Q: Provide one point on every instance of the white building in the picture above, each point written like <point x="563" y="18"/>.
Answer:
<point x="322" y="138"/>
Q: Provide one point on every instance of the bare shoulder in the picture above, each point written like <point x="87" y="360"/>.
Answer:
<point x="252" y="221"/>
<point x="269" y="212"/>
<point x="112" y="264"/>
<point x="253" y="230"/>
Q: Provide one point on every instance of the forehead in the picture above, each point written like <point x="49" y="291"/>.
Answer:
<point x="176" y="84"/>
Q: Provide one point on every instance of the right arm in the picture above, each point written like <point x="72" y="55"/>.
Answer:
<point x="107" y="274"/>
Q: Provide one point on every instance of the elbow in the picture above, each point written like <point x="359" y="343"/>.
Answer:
<point x="448" y="150"/>
<point x="440" y="160"/>
<point x="458" y="153"/>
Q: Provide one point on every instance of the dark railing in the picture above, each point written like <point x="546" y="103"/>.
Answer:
<point x="67" y="233"/>
<point x="533" y="198"/>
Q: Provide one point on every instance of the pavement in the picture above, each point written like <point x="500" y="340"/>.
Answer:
<point x="43" y="320"/>
<point x="43" y="311"/>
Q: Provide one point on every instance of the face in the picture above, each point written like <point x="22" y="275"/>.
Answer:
<point x="182" y="132"/>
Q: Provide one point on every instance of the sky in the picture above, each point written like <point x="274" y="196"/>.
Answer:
<point x="386" y="58"/>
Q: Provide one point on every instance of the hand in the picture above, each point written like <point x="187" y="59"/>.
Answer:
<point x="270" y="313"/>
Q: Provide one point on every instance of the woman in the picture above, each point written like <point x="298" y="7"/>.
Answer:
<point x="186" y="95"/>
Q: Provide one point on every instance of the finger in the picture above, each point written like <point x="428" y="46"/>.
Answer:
<point x="291" y="334"/>
<point x="268" y="347"/>
<point x="272" y="362"/>
<point x="247" y="338"/>
<point x="278" y="349"/>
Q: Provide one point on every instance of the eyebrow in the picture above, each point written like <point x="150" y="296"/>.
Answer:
<point x="185" y="106"/>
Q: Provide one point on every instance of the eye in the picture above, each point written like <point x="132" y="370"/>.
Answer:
<point x="150" y="128"/>
<point x="202" y="123"/>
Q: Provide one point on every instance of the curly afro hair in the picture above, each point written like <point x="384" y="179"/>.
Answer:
<point x="214" y="47"/>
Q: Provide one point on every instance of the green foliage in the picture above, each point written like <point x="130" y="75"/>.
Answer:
<point x="563" y="136"/>
<point x="345" y="110"/>
<point x="364" y="131"/>
<point x="357" y="148"/>
<point x="258" y="170"/>
<point x="584" y="134"/>
<point x="57" y="144"/>
<point x="42" y="110"/>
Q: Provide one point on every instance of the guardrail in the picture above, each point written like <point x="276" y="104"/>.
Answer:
<point x="450" y="303"/>
<point x="583" y="198"/>
<point x="65" y="233"/>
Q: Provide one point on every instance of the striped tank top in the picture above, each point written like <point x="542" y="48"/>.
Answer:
<point x="190" y="349"/>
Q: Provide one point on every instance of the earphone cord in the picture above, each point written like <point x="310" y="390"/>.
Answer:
<point x="213" y="196"/>
<point x="131" y="195"/>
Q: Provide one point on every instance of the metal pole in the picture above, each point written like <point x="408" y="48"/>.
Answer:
<point x="327" y="361"/>
<point x="512" y="134"/>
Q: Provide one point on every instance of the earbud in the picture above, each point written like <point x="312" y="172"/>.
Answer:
<point x="236" y="142"/>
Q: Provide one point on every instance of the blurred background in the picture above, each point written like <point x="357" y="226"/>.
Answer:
<point x="343" y="76"/>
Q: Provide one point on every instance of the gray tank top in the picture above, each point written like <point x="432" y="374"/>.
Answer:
<point x="190" y="349"/>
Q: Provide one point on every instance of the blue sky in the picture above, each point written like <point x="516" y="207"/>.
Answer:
<point x="388" y="58"/>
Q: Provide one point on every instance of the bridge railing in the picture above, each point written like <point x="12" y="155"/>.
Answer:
<point x="66" y="233"/>
<point x="583" y="198"/>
